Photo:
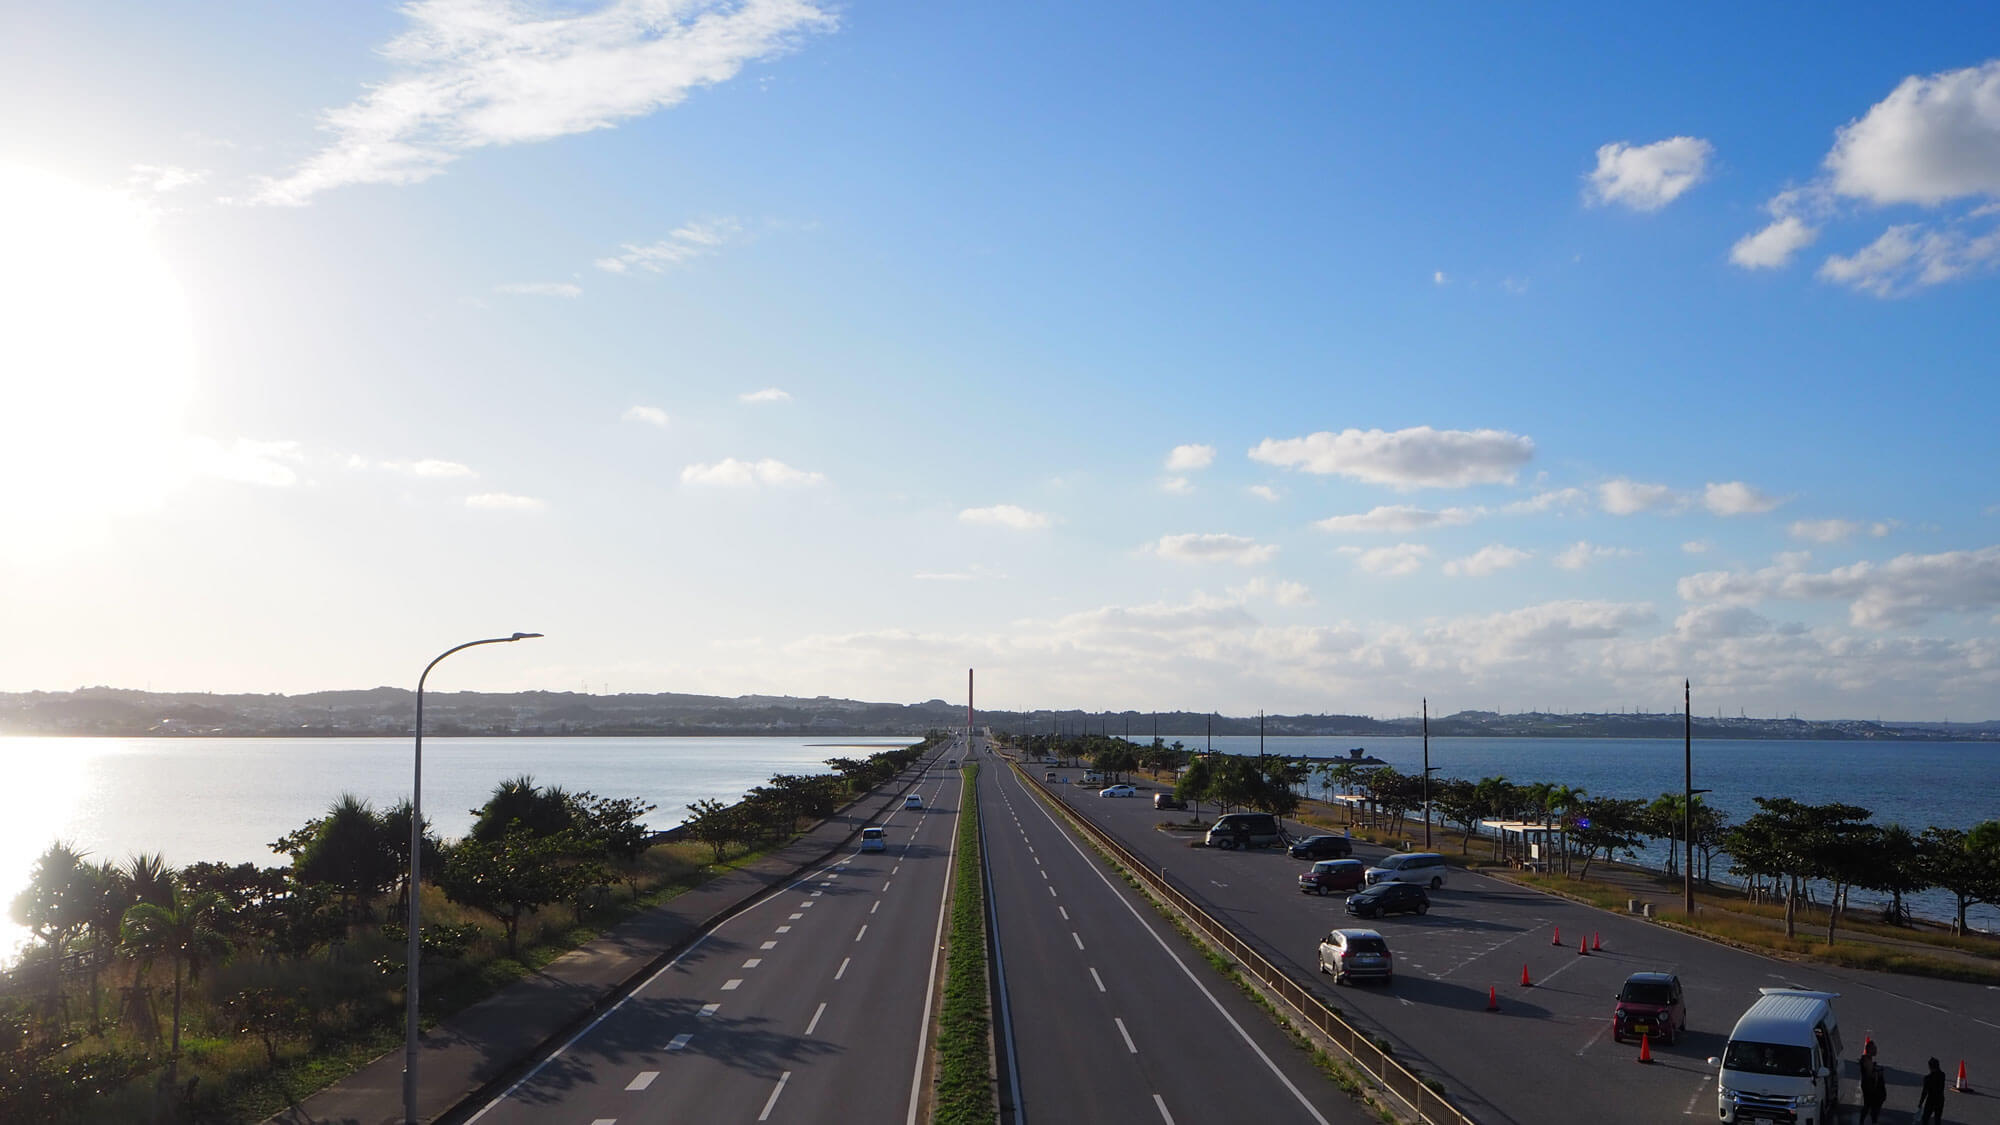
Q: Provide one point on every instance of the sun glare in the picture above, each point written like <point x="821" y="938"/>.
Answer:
<point x="95" y="358"/>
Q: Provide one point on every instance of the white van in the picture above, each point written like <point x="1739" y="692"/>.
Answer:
<point x="1423" y="868"/>
<point x="1783" y="1060"/>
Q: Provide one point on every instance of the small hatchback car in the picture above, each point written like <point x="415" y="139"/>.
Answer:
<point x="872" y="841"/>
<point x="1389" y="898"/>
<point x="1323" y="847"/>
<point x="1355" y="955"/>
<point x="1650" y="1004"/>
<point x="1330" y="875"/>
<point x="913" y="802"/>
<point x="1168" y="801"/>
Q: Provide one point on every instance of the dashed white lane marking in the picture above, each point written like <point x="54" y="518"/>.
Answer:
<point x="1592" y="1042"/>
<point x="679" y="1041"/>
<point x="753" y="962"/>
<point x="807" y="905"/>
<point x="708" y="1010"/>
<point x="1052" y="890"/>
<point x="1038" y="861"/>
<point x="843" y="967"/>
<point x="732" y="984"/>
<point x="877" y="906"/>
<point x="1098" y="979"/>
<point x="816" y="1015"/>
<point x="1043" y="874"/>
<point x="605" y="1121"/>
<point x="896" y="869"/>
<point x="1063" y="912"/>
<point x="1076" y="939"/>
<point x="795" y="917"/>
<point x="782" y="930"/>
<point x="816" y="894"/>
<point x="1995" y="1026"/>
<point x="782" y="1079"/>
<point x="1129" y="1045"/>
<point x="768" y="945"/>
<point x="1161" y="1103"/>
<point x="830" y="877"/>
<point x="644" y="1079"/>
<point x="1696" y="1096"/>
<point x="864" y="929"/>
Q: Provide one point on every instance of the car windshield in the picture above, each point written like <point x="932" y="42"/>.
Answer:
<point x="1392" y="863"/>
<point x="1367" y="945"/>
<point x="1768" y="1058"/>
<point x="1646" y="992"/>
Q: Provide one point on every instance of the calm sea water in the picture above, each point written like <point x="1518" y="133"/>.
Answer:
<point x="227" y="799"/>
<point x="1916" y="784"/>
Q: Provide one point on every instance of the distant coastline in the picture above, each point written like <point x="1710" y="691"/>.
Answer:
<point x="389" y="712"/>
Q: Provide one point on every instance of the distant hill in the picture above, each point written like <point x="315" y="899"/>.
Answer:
<point x="385" y="711"/>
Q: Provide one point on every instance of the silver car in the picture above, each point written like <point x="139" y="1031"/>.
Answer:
<point x="1356" y="955"/>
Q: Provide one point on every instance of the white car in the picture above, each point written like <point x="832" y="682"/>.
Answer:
<point x="1118" y="791"/>
<point x="872" y="841"/>
<point x="913" y="802"/>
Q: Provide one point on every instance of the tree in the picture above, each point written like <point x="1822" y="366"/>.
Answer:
<point x="1899" y="867"/>
<point x="350" y="850"/>
<point x="613" y="829"/>
<point x="715" y="824"/>
<point x="1966" y="863"/>
<point x="1195" y="782"/>
<point x="55" y="907"/>
<point x="184" y="929"/>
<point x="1493" y="796"/>
<point x="1792" y="842"/>
<point x="513" y="876"/>
<point x="1607" y="824"/>
<point x="1457" y="801"/>
<point x="542" y="812"/>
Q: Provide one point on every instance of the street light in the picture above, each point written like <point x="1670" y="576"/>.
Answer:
<point x="416" y="872"/>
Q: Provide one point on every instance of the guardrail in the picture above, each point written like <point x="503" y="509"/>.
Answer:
<point x="1429" y="1105"/>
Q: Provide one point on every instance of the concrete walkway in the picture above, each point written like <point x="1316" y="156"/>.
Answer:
<point x="474" y="1054"/>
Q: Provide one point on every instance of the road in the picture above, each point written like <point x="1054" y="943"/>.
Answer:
<point x="1113" y="1017"/>
<point x="812" y="1005"/>
<point x="1547" y="1055"/>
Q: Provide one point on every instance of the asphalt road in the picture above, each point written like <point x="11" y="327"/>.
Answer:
<point x="1113" y="1017"/>
<point x="812" y="1005"/>
<point x="1547" y="1055"/>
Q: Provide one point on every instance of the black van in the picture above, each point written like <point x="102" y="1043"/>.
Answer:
<point x="1245" y="830"/>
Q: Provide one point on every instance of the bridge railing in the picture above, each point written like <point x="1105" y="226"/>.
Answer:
<point x="1405" y="1084"/>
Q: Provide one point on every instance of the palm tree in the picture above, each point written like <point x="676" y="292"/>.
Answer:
<point x="149" y="880"/>
<point x="1564" y="799"/>
<point x="185" y="929"/>
<point x="55" y="906"/>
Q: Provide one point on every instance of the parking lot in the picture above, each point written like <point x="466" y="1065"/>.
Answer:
<point x="1547" y="1054"/>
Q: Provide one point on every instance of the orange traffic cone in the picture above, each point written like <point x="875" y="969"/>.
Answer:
<point x="1645" y="1048"/>
<point x="1962" y="1086"/>
<point x="1492" y="998"/>
<point x="1525" y="982"/>
<point x="1596" y="943"/>
<point x="1558" y="939"/>
<point x="1582" y="948"/>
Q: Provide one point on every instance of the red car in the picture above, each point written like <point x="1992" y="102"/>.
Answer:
<point x="1650" y="1004"/>
<point x="1332" y="875"/>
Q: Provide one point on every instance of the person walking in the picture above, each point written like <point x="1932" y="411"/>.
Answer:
<point x="1930" y="1103"/>
<point x="1874" y="1084"/>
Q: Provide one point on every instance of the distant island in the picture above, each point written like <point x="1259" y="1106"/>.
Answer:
<point x="381" y="712"/>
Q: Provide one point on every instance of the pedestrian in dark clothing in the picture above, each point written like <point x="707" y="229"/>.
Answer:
<point x="1874" y="1084"/>
<point x="1930" y="1103"/>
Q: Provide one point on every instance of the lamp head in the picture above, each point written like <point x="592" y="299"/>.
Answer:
<point x="523" y="636"/>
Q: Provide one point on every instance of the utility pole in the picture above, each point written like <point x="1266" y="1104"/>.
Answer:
<point x="1427" y="773"/>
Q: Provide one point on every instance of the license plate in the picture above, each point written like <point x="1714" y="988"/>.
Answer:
<point x="1642" y="1029"/>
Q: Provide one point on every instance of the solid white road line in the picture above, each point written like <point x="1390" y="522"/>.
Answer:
<point x="816" y="1015"/>
<point x="680" y="1041"/>
<point x="1129" y="1045"/>
<point x="1098" y="979"/>
<point x="782" y="1079"/>
<point x="930" y="989"/>
<point x="644" y="1079"/>
<point x="1162" y="1104"/>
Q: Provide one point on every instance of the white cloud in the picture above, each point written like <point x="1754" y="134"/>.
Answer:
<point x="1648" y="177"/>
<point x="650" y="415"/>
<point x="1717" y="622"/>
<point x="1734" y="498"/>
<point x="1401" y="559"/>
<point x="923" y="576"/>
<point x="478" y="73"/>
<point x="1281" y="592"/>
<point x="1005" y="515"/>
<point x="1397" y="518"/>
<point x="768" y="394"/>
<point x="732" y="473"/>
<point x="162" y="178"/>
<point x="1697" y="547"/>
<point x="1904" y="591"/>
<point x="1439" y="278"/>
<point x="1419" y="457"/>
<point x="1187" y="458"/>
<point x="1179" y="486"/>
<point x="244" y="461"/>
<point x="1489" y="559"/>
<point x="1582" y="553"/>
<point x="1627" y="497"/>
<point x="1198" y="547"/>
<point x="1546" y="501"/>
<point x="1774" y="245"/>
<point x="1931" y="140"/>
<point x="540" y="289"/>
<point x="504" y="502"/>
<point x="1824" y="531"/>
<point x="432" y="469"/>
<point x="1909" y="257"/>
<point x="1264" y="492"/>
<point x="685" y="244"/>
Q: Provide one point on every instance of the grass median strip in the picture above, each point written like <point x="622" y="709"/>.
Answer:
<point x="965" y="1051"/>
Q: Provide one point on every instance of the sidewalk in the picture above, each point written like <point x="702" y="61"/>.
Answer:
<point x="472" y="1055"/>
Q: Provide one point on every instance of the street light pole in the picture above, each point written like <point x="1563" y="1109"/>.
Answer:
<point x="413" y="920"/>
<point x="1427" y="774"/>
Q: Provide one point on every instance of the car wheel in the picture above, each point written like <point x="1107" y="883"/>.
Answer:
<point x="1436" y="882"/>
<point x="1423" y="907"/>
<point x="1617" y="1038"/>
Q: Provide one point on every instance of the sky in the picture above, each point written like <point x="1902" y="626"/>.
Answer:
<point x="1295" y="356"/>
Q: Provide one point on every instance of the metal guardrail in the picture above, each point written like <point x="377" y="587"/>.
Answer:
<point x="1429" y="1105"/>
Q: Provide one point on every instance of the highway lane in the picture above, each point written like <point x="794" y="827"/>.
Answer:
<point x="1114" y="1017"/>
<point x="1548" y="1055"/>
<point x="812" y="1005"/>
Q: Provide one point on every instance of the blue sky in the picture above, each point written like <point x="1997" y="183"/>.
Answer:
<point x="1303" y="357"/>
